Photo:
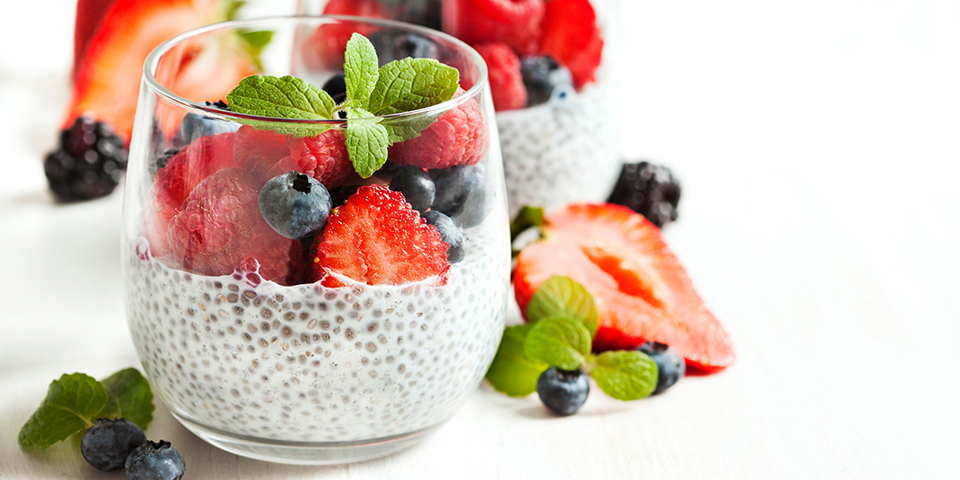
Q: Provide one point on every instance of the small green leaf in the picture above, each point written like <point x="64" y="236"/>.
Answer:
<point x="280" y="97"/>
<point x="526" y="218"/>
<point x="255" y="41"/>
<point x="70" y="406"/>
<point x="412" y="84"/>
<point x="367" y="142"/>
<point x="562" y="296"/>
<point x="559" y="341"/>
<point x="625" y="375"/>
<point x="129" y="396"/>
<point x="512" y="371"/>
<point x="232" y="8"/>
<point x="360" y="68"/>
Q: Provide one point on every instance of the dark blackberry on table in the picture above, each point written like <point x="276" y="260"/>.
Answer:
<point x="88" y="163"/>
<point x="648" y="189"/>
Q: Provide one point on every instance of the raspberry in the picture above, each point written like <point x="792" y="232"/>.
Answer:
<point x="220" y="226"/>
<point x="506" y="81"/>
<point x="376" y="238"/>
<point x="329" y="41"/>
<point x="572" y="37"/>
<point x="514" y="22"/>
<point x="458" y="137"/>
<point x="323" y="157"/>
<point x="259" y="150"/>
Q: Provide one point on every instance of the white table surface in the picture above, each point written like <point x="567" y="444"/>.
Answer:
<point x="818" y="143"/>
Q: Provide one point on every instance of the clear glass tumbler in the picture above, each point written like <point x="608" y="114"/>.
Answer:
<point x="249" y="349"/>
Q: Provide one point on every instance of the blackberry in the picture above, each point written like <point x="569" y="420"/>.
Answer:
<point x="648" y="189"/>
<point x="88" y="163"/>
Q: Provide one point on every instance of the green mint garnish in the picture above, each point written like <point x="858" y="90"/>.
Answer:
<point x="560" y="341"/>
<point x="528" y="217"/>
<point x="512" y="371"/>
<point x="74" y="401"/>
<point x="367" y="141"/>
<point x="563" y="297"/>
<point x="372" y="91"/>
<point x="254" y="41"/>
<point x="411" y="84"/>
<point x="625" y="375"/>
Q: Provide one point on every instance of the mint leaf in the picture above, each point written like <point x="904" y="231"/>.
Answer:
<point x="128" y="396"/>
<point x="512" y="371"/>
<point x="526" y="218"/>
<point x="367" y="142"/>
<point x="558" y="341"/>
<point x="563" y="297"/>
<point x="360" y="68"/>
<point x="282" y="97"/>
<point x="411" y="84"/>
<point x="254" y="42"/>
<point x="625" y="375"/>
<point x="71" y="404"/>
<point x="405" y="128"/>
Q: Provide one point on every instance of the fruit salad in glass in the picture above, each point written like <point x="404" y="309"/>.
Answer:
<point x="316" y="259"/>
<point x="550" y="80"/>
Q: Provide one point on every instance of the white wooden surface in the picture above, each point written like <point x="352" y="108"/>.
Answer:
<point x="818" y="143"/>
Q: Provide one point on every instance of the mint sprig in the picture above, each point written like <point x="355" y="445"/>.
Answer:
<point x="527" y="217"/>
<point x="563" y="321"/>
<point x="371" y="92"/>
<point x="75" y="400"/>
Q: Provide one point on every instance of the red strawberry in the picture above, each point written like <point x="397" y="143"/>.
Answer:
<point x="329" y="41"/>
<point x="641" y="290"/>
<point x="89" y="14"/>
<point x="377" y="239"/>
<point x="458" y="137"/>
<point x="514" y="22"/>
<point x="506" y="81"/>
<point x="572" y="37"/>
<point x="220" y="228"/>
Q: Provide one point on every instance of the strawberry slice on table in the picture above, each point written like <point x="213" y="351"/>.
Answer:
<point x="641" y="290"/>
<point x="572" y="36"/>
<point x="378" y="239"/>
<point x="89" y="14"/>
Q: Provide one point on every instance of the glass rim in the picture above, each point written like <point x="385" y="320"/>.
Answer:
<point x="152" y="62"/>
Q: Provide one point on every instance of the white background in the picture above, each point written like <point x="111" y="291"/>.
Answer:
<point x="818" y="144"/>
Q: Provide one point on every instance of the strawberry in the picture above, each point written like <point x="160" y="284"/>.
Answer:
<point x="641" y="290"/>
<point x="514" y="22"/>
<point x="219" y="228"/>
<point x="458" y="137"/>
<point x="503" y="70"/>
<point x="89" y="14"/>
<point x="572" y="36"/>
<point x="377" y="238"/>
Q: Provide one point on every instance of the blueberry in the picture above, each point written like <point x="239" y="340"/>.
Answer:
<point x="463" y="193"/>
<point x="450" y="233"/>
<point x="336" y="86"/>
<point x="107" y="443"/>
<point x="562" y="391"/>
<point x="155" y="461"/>
<point x="195" y="125"/>
<point x="669" y="363"/>
<point x="415" y="185"/>
<point x="294" y="204"/>
<point x="541" y="75"/>
<point x="392" y="46"/>
<point x="427" y="13"/>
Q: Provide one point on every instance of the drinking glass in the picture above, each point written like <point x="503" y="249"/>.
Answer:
<point x="244" y="349"/>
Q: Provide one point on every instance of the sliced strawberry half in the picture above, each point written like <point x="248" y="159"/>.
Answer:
<point x="572" y="36"/>
<point x="378" y="239"/>
<point x="641" y="290"/>
<point x="89" y="14"/>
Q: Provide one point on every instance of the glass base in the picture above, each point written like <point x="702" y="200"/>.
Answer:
<point x="306" y="453"/>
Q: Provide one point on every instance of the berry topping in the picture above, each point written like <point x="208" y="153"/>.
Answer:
<point x="563" y="392"/>
<point x="259" y="150"/>
<point x="514" y="22"/>
<point x="88" y="163"/>
<point x="155" y="461"/>
<point x="641" y="291"/>
<point x="572" y="37"/>
<point x="336" y="86"/>
<point x="503" y="70"/>
<point x="107" y="443"/>
<point x="450" y="233"/>
<point x="428" y="13"/>
<point x="392" y="46"/>
<point x="377" y="239"/>
<point x="328" y="42"/>
<point x="670" y="364"/>
<point x="648" y="189"/>
<point x="458" y="137"/>
<point x="323" y="157"/>
<point x="195" y="125"/>
<point x="463" y="193"/>
<point x="415" y="185"/>
<point x="294" y="205"/>
<point x="541" y="76"/>
<point x="219" y="226"/>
